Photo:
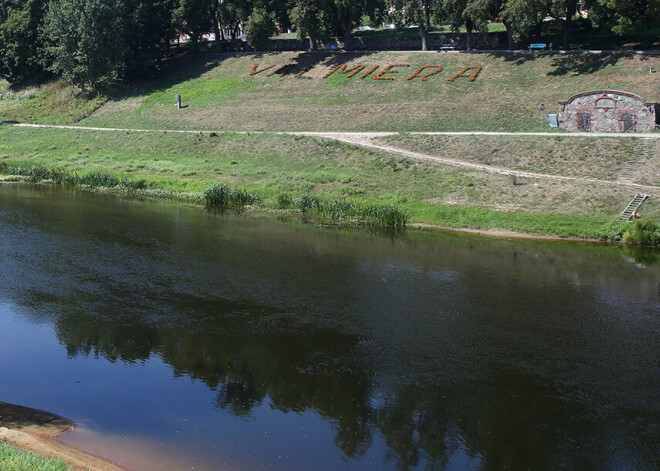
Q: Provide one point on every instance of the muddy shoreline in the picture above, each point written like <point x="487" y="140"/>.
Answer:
<point x="38" y="431"/>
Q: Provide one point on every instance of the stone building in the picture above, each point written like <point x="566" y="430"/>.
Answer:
<point x="608" y="111"/>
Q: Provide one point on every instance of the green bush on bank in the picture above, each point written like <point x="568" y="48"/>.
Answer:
<point x="12" y="459"/>
<point x="642" y="233"/>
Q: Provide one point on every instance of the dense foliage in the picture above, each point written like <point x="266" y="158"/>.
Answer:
<point x="90" y="42"/>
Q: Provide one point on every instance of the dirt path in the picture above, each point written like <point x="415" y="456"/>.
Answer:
<point x="367" y="140"/>
<point x="38" y="431"/>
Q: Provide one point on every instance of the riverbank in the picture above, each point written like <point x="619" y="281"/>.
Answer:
<point x="258" y="115"/>
<point x="38" y="431"/>
<point x="535" y="185"/>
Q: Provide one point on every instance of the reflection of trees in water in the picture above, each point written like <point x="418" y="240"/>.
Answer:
<point x="249" y="354"/>
<point x="503" y="419"/>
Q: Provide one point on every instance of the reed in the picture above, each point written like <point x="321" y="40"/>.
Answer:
<point x="342" y="210"/>
<point x="222" y="195"/>
<point x="94" y="179"/>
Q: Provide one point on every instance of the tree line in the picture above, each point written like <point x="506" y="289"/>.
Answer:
<point x="88" y="42"/>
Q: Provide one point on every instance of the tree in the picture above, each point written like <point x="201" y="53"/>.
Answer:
<point x="232" y="14"/>
<point x="473" y="14"/>
<point x="92" y="41"/>
<point x="417" y="12"/>
<point x="625" y="15"/>
<point x="84" y="40"/>
<point x="21" y="51"/>
<point x="193" y="17"/>
<point x="351" y="10"/>
<point x="520" y="17"/>
<point x="313" y="20"/>
<point x="563" y="11"/>
<point x="147" y="29"/>
<point x="259" y="27"/>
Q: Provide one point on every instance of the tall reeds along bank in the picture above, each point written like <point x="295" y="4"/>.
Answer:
<point x="222" y="195"/>
<point x="346" y="211"/>
<point x="54" y="175"/>
<point x="642" y="233"/>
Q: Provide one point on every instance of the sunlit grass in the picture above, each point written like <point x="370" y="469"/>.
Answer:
<point x="12" y="459"/>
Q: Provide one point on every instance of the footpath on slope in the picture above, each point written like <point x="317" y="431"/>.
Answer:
<point x="366" y="139"/>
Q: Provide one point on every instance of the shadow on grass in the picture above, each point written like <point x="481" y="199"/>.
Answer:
<point x="172" y="71"/>
<point x="563" y="64"/>
<point x="578" y="64"/>
<point x="306" y="61"/>
<point x="191" y="66"/>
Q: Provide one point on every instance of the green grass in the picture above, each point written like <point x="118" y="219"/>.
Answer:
<point x="52" y="103"/>
<point x="12" y="459"/>
<point x="199" y="93"/>
<point x="295" y="174"/>
<point x="219" y="93"/>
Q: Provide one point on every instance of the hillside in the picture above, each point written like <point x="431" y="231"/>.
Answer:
<point x="262" y="92"/>
<point x="219" y="92"/>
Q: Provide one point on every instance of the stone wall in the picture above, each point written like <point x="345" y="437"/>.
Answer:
<point x="412" y="43"/>
<point x="607" y="111"/>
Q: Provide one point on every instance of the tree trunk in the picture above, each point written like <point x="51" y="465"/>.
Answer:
<point x="509" y="36"/>
<point x="468" y="27"/>
<point x="313" y="43"/>
<point x="348" y="29"/>
<point x="216" y="29"/>
<point x="566" y="30"/>
<point x="425" y="29"/>
<point x="571" y="8"/>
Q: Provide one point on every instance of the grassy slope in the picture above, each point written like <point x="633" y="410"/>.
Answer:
<point x="220" y="94"/>
<point x="12" y="459"/>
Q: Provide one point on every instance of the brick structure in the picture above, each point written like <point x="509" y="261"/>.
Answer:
<point x="608" y="111"/>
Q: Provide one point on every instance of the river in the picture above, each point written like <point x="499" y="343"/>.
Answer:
<point x="178" y="339"/>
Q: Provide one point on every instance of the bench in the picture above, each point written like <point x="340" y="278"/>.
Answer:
<point x="537" y="46"/>
<point x="448" y="47"/>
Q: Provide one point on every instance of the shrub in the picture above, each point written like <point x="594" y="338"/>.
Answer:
<point x="642" y="233"/>
<point x="222" y="195"/>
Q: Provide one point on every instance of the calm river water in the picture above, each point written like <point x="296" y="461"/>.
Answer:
<point x="178" y="339"/>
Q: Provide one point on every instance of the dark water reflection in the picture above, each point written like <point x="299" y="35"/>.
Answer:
<point x="427" y="351"/>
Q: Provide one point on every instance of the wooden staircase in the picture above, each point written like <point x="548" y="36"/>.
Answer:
<point x="632" y="207"/>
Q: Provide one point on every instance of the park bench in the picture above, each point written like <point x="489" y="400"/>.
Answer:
<point x="448" y="47"/>
<point x="539" y="46"/>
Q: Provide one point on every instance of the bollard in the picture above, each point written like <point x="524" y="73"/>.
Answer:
<point x="178" y="102"/>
